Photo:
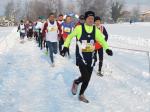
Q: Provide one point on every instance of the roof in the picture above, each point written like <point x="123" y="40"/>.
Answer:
<point x="145" y="12"/>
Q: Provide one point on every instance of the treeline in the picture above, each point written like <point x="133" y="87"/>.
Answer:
<point x="109" y="10"/>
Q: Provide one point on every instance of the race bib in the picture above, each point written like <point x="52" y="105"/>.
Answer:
<point x="66" y="29"/>
<point x="88" y="47"/>
<point x="30" y="27"/>
<point x="22" y="31"/>
<point x="50" y="29"/>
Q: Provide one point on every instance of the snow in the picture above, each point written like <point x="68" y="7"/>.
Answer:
<point x="29" y="84"/>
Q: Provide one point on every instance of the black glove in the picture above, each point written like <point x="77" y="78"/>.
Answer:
<point x="63" y="52"/>
<point x="109" y="52"/>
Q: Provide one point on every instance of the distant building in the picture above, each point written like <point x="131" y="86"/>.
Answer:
<point x="126" y="16"/>
<point x="145" y="16"/>
<point x="5" y="22"/>
<point x="2" y="19"/>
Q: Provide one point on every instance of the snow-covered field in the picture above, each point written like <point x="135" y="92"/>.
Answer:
<point x="29" y="84"/>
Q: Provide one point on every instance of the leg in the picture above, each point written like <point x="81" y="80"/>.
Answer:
<point x="46" y="47"/>
<point x="60" y="44"/>
<point x="100" y="53"/>
<point x="44" y="44"/>
<point x="49" y="44"/>
<point x="68" y="52"/>
<point x="27" y="34"/>
<point x="55" y="47"/>
<point x="41" y="42"/>
<point x="86" y="72"/>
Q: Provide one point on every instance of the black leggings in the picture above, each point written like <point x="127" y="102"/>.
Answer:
<point x="40" y="40"/>
<point x="45" y="45"/>
<point x="100" y="55"/>
<point x="86" y="72"/>
<point x="61" y="42"/>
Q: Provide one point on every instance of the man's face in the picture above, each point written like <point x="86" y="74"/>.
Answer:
<point x="60" y="18"/>
<point x="39" y="20"/>
<point x="97" y="22"/>
<point x="82" y="20"/>
<point x="51" y="17"/>
<point x="68" y="19"/>
<point x="27" y="22"/>
<point x="90" y="20"/>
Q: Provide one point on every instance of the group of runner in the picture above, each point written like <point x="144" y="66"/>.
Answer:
<point x="55" y="34"/>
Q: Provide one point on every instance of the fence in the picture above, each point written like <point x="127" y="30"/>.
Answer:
<point x="136" y="50"/>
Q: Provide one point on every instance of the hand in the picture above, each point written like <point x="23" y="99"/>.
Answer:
<point x="109" y="52"/>
<point x="63" y="52"/>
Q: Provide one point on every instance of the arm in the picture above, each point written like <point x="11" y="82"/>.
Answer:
<point x="18" y="28"/>
<point x="73" y="34"/>
<point x="44" y="29"/>
<point x="105" y="33"/>
<point x="101" y="40"/>
<point x="59" y="29"/>
<point x="62" y="28"/>
<point x="67" y="42"/>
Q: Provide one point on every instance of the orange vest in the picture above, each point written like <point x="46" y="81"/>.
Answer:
<point x="97" y="45"/>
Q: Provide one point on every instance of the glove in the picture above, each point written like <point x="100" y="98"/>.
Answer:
<point x="63" y="52"/>
<point x="109" y="52"/>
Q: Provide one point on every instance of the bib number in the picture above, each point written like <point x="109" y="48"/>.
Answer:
<point x="88" y="47"/>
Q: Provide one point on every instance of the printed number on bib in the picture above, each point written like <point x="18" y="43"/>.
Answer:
<point x="30" y="27"/>
<point x="52" y="29"/>
<point x="88" y="47"/>
<point x="67" y="29"/>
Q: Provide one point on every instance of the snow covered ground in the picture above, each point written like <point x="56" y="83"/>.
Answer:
<point x="29" y="84"/>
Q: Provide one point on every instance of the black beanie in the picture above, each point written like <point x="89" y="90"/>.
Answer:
<point x="89" y="13"/>
<point x="81" y="17"/>
<point x="97" y="18"/>
<point x="21" y="21"/>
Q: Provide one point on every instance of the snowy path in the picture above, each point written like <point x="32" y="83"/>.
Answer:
<point x="29" y="84"/>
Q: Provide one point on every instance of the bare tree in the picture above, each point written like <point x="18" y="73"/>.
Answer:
<point x="100" y="7"/>
<point x="9" y="9"/>
<point x="136" y="13"/>
<point x="59" y="7"/>
<point x="37" y="8"/>
<point x="85" y="5"/>
<point x="116" y="10"/>
<point x="18" y="11"/>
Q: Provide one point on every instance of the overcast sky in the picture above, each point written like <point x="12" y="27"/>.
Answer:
<point x="144" y="4"/>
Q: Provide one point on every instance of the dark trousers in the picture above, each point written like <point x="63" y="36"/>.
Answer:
<point x="61" y="42"/>
<point x="86" y="72"/>
<point x="100" y="55"/>
<point x="40" y="41"/>
<point x="29" y="34"/>
<point x="45" y="45"/>
<point x="52" y="49"/>
<point x="68" y="52"/>
<point x="22" y="35"/>
<point x="36" y="36"/>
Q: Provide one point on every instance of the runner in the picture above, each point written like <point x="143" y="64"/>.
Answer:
<point x="22" y="30"/>
<point x="67" y="28"/>
<point x="98" y="47"/>
<point x="87" y="34"/>
<point x="50" y="29"/>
